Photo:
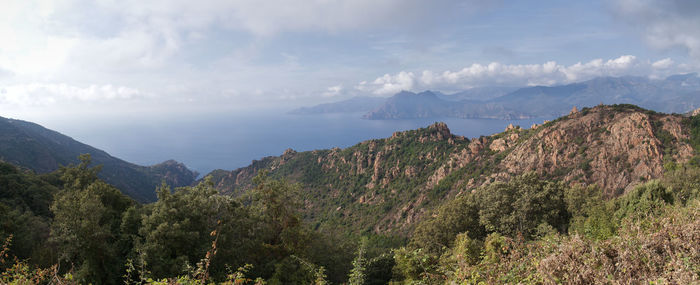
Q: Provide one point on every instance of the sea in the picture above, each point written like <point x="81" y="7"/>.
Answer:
<point x="233" y="140"/>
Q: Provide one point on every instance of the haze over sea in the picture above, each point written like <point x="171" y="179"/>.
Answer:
<point x="230" y="141"/>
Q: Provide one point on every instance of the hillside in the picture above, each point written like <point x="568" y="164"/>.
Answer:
<point x="386" y="185"/>
<point x="34" y="147"/>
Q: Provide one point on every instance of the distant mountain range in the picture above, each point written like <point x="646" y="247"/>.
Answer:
<point x="352" y="105"/>
<point x="34" y="147"/>
<point x="674" y="94"/>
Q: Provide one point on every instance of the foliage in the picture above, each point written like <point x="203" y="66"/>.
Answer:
<point x="521" y="205"/>
<point x="457" y="216"/>
<point x="359" y="266"/>
<point x="645" y="199"/>
<point x="590" y="214"/>
<point x="87" y="216"/>
<point x="644" y="236"/>
<point x="683" y="182"/>
<point x="414" y="265"/>
<point x="24" y="211"/>
<point x="379" y="269"/>
<point x="182" y="225"/>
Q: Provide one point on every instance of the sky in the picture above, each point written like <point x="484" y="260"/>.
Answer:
<point x="81" y="59"/>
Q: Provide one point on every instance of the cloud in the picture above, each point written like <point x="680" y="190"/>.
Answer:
<point x="84" y="42"/>
<point x="495" y="74"/>
<point x="662" y="64"/>
<point x="664" y="24"/>
<point x="389" y="84"/>
<point x="5" y="73"/>
<point x="38" y="94"/>
<point x="262" y="18"/>
<point x="274" y="16"/>
<point x="333" y="91"/>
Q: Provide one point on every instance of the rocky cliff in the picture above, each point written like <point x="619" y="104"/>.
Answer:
<point x="386" y="185"/>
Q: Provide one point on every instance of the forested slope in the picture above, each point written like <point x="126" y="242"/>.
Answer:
<point x="34" y="147"/>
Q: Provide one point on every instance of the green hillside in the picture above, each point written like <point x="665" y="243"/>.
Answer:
<point x="34" y="147"/>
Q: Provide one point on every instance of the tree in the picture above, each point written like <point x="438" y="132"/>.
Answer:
<point x="590" y="214"/>
<point x="87" y="216"/>
<point x="276" y="205"/>
<point x="435" y="234"/>
<point x="522" y="204"/>
<point x="193" y="223"/>
<point x="25" y="201"/>
<point x="358" y="275"/>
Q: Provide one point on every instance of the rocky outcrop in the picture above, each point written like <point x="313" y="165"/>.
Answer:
<point x="388" y="184"/>
<point x="175" y="173"/>
<point x="615" y="150"/>
<point x="694" y="112"/>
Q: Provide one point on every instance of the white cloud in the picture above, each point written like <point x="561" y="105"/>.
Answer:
<point x="333" y="91"/>
<point x="42" y="35"/>
<point x="389" y="84"/>
<point x="39" y="94"/>
<point x="664" y="23"/>
<point x="663" y="63"/>
<point x="493" y="74"/>
<point x="145" y="43"/>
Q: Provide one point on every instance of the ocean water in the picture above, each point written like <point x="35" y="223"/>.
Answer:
<point x="230" y="141"/>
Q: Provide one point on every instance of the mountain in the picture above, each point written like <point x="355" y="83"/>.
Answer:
<point x="675" y="94"/>
<point x="408" y="104"/>
<point x="34" y="147"/>
<point x="367" y="104"/>
<point x="661" y="95"/>
<point x="479" y="93"/>
<point x="387" y="185"/>
<point x="428" y="104"/>
<point x="352" y="105"/>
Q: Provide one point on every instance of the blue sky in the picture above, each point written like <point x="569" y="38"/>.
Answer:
<point x="81" y="58"/>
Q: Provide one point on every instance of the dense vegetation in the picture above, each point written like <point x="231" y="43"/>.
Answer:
<point x="92" y="233"/>
<point x="80" y="229"/>
<point x="70" y="227"/>
<point x="359" y="189"/>
<point x="650" y="234"/>
<point x="34" y="147"/>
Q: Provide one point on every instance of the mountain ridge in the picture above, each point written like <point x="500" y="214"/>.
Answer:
<point x="42" y="150"/>
<point x="387" y="185"/>
<point x="678" y="93"/>
<point x="352" y="105"/>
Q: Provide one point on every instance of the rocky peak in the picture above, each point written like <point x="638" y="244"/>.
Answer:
<point x="170" y="162"/>
<point x="441" y="128"/>
<point x="287" y="155"/>
<point x="511" y="127"/>
<point x="694" y="112"/>
<point x="289" y="152"/>
<point x="574" y="110"/>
